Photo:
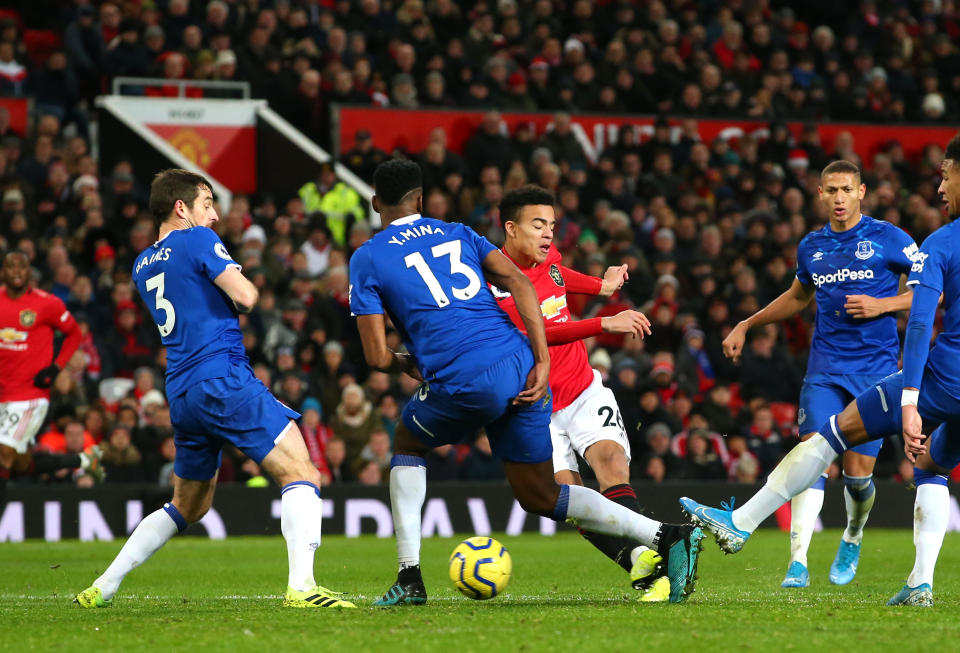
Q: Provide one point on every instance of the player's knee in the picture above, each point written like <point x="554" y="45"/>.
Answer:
<point x="194" y="513"/>
<point x="539" y="500"/>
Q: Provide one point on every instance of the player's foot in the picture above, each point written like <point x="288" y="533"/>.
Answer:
<point x="680" y="546"/>
<point x="91" y="597"/>
<point x="647" y="568"/>
<point x="90" y="462"/>
<point x="408" y="590"/>
<point x="717" y="521"/>
<point x="317" y="597"/>
<point x="844" y="566"/>
<point x="797" y="575"/>
<point x="658" y="591"/>
<point x="920" y="596"/>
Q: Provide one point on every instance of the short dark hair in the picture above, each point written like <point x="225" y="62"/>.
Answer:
<point x="171" y="185"/>
<point x="394" y="179"/>
<point x="528" y="195"/>
<point x="953" y="150"/>
<point x="840" y="167"/>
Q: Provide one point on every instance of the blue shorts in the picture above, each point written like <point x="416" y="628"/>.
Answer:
<point x="823" y="395"/>
<point x="879" y="407"/>
<point x="519" y="434"/>
<point x="235" y="409"/>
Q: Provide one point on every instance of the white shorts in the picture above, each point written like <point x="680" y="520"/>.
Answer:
<point x="592" y="417"/>
<point x="20" y="421"/>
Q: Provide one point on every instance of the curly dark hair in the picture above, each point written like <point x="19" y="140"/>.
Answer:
<point x="953" y="150"/>
<point x="529" y="195"/>
<point x="395" y="179"/>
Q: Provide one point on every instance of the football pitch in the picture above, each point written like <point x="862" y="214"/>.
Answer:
<point x="202" y="595"/>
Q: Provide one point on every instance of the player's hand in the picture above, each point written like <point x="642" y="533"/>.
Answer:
<point x="46" y="376"/>
<point x="408" y="365"/>
<point x="913" y="438"/>
<point x="537" y="384"/>
<point x="863" y="306"/>
<point x="632" y="322"/>
<point x="613" y="279"/>
<point x="733" y="343"/>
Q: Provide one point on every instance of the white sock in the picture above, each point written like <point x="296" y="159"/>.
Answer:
<point x="301" y="512"/>
<point x="408" y="489"/>
<point x="592" y="511"/>
<point x="930" y="515"/>
<point x="795" y="473"/>
<point x="804" y="509"/>
<point x="147" y="538"/>
<point x="859" y="503"/>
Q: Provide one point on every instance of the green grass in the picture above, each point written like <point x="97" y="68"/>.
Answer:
<point x="202" y="595"/>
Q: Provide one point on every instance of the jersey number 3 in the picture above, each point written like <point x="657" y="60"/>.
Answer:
<point x="162" y="304"/>
<point x="451" y="249"/>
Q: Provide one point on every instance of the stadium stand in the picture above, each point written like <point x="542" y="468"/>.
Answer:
<point x="709" y="229"/>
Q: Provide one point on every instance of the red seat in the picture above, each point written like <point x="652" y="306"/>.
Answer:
<point x="40" y="43"/>
<point x="784" y="414"/>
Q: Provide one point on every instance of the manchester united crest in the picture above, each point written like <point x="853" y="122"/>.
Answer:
<point x="27" y="317"/>
<point x="555" y="274"/>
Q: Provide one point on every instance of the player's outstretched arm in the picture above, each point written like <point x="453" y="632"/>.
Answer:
<point x="579" y="283"/>
<point x="238" y="288"/>
<point x="916" y="349"/>
<point x="502" y="273"/>
<point x="789" y="303"/>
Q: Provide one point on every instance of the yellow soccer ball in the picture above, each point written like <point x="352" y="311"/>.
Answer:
<point x="480" y="567"/>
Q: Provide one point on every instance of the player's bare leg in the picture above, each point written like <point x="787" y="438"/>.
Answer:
<point x="537" y="492"/>
<point x="191" y="501"/>
<point x="609" y="463"/>
<point x="931" y="514"/>
<point x="301" y="513"/>
<point x="859" y="492"/>
<point x="408" y="489"/>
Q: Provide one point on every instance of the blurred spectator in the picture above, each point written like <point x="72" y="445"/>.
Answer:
<point x="355" y="420"/>
<point x="337" y="462"/>
<point x="121" y="459"/>
<point x="480" y="464"/>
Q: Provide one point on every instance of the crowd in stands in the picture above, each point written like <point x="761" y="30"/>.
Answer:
<point x="709" y="230"/>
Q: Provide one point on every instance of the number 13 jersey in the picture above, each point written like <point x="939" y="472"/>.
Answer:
<point x="197" y="321"/>
<point x="427" y="275"/>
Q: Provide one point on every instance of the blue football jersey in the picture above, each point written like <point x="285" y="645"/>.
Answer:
<point x="938" y="267"/>
<point x="866" y="260"/>
<point x="197" y="321"/>
<point x="427" y="275"/>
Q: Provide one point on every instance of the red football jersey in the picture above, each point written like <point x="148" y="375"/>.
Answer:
<point x="26" y="341"/>
<point x="570" y="371"/>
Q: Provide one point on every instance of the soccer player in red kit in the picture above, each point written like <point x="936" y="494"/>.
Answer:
<point x="586" y="419"/>
<point x="28" y="318"/>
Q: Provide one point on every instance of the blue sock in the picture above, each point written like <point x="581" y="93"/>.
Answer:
<point x="401" y="460"/>
<point x="560" y="510"/>
<point x="833" y="435"/>
<point x="296" y="483"/>
<point x="175" y="515"/>
<point x="922" y="477"/>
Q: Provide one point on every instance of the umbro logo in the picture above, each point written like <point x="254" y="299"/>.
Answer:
<point x="818" y="256"/>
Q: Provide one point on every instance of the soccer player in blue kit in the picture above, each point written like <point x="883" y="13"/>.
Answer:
<point x="853" y="267"/>
<point x="478" y="370"/>
<point x="194" y="291"/>
<point x="928" y="388"/>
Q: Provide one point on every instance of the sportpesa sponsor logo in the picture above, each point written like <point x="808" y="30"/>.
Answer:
<point x="844" y="274"/>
